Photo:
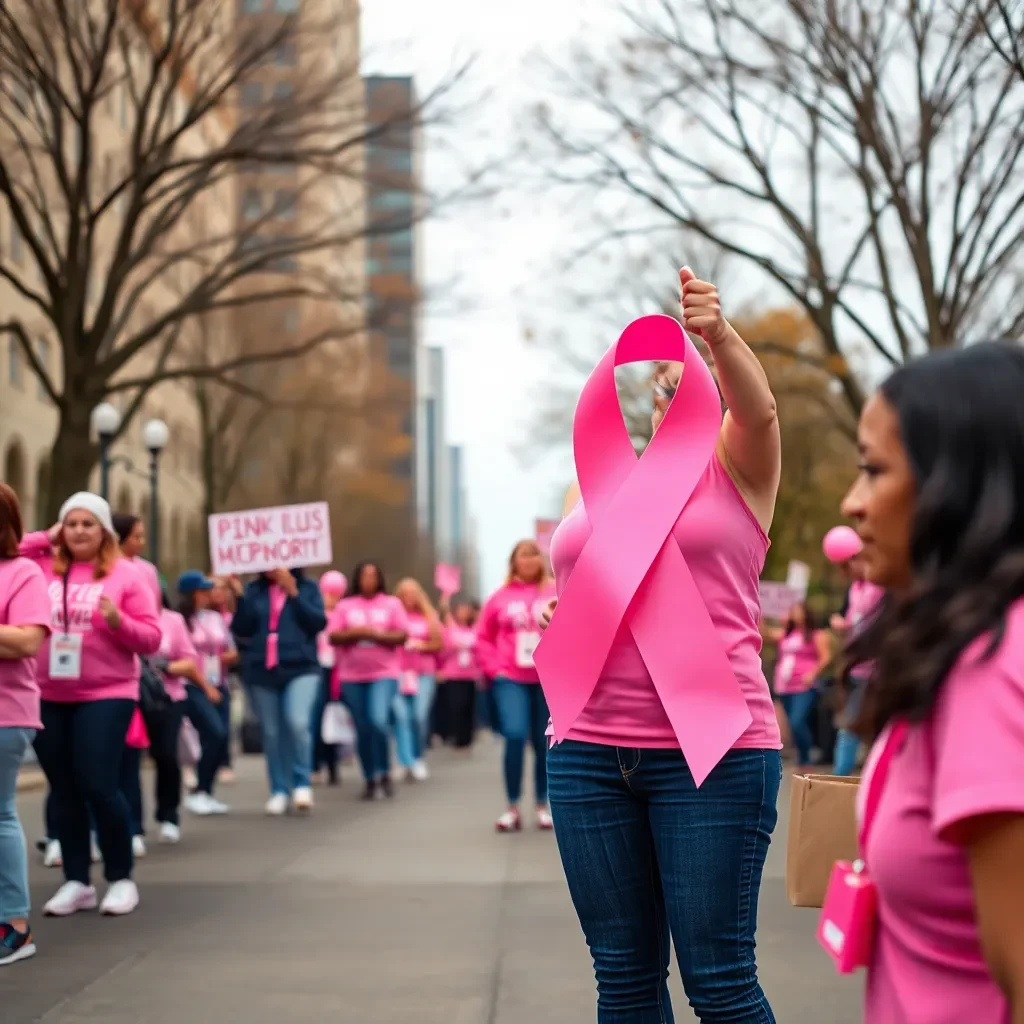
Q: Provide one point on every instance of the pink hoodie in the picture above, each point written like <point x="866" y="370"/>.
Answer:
<point x="509" y="630"/>
<point x="109" y="666"/>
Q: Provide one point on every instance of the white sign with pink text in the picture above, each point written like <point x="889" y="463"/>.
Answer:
<point x="286" y="537"/>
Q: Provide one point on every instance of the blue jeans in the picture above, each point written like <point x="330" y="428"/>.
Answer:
<point x="14" y="898"/>
<point x="131" y="786"/>
<point x="79" y="749"/>
<point x="651" y="860"/>
<point x="370" y="704"/>
<point x="224" y="710"/>
<point x="845" y="757"/>
<point x="523" y="714"/>
<point x="286" y="717"/>
<point x="412" y="721"/>
<point x="212" y="737"/>
<point x="799" y="707"/>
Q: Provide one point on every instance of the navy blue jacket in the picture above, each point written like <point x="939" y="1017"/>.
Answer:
<point x="302" y="618"/>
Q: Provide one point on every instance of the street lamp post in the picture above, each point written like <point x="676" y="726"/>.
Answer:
<point x="155" y="436"/>
<point x="106" y="422"/>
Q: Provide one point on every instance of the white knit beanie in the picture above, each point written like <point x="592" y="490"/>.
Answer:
<point x="86" y="501"/>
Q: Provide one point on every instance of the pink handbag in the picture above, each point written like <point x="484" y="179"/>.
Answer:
<point x="137" y="736"/>
<point x="849" y="916"/>
<point x="409" y="684"/>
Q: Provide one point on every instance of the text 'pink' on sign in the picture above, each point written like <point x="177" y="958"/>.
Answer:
<point x="285" y="537"/>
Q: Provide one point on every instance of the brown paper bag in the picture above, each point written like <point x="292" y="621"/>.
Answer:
<point x="822" y="830"/>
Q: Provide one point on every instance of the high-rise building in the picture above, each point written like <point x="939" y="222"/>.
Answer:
<point x="435" y="484"/>
<point x="393" y="254"/>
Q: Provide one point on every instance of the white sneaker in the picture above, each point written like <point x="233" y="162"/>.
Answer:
<point x="94" y="850"/>
<point x="302" y="799"/>
<point x="169" y="833"/>
<point x="276" y="805"/>
<point x="122" y="898"/>
<point x="420" y="771"/>
<point x="204" y="805"/>
<point x="138" y="846"/>
<point x="69" y="899"/>
<point x="52" y="856"/>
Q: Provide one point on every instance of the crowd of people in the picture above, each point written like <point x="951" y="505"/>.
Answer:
<point x="99" y="668"/>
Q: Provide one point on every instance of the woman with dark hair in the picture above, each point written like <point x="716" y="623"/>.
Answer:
<point x="939" y="506"/>
<point x="279" y="616"/>
<point x="459" y="672"/>
<point x="372" y="627"/>
<point x="804" y="653"/>
<point x="131" y="535"/>
<point x="24" y="625"/>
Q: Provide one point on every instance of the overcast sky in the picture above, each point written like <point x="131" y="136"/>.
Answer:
<point x="497" y="252"/>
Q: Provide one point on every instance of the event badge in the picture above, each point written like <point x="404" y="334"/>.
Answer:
<point x="66" y="656"/>
<point x="526" y="644"/>
<point x="785" y="670"/>
<point x="211" y="668"/>
<point x="465" y="658"/>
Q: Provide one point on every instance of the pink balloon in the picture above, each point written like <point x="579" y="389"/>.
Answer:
<point x="841" y="543"/>
<point x="333" y="582"/>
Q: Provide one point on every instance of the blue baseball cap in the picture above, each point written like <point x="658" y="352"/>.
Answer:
<point x="193" y="580"/>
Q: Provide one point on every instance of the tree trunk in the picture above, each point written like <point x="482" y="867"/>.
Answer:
<point x="73" y="456"/>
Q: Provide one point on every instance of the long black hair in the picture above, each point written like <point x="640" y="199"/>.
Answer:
<point x="357" y="575"/>
<point x="810" y="626"/>
<point x="187" y="607"/>
<point x="961" y="420"/>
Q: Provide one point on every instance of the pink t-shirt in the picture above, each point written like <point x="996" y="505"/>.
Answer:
<point x="725" y="548"/>
<point x="420" y="662"/>
<point x="150" y="576"/>
<point x="509" y="630"/>
<point x="797" y="657"/>
<point x="23" y="602"/>
<point x="458" y="655"/>
<point x="212" y="640"/>
<point x="175" y="645"/>
<point x="366" y="660"/>
<point x="109" y="668"/>
<point x="965" y="761"/>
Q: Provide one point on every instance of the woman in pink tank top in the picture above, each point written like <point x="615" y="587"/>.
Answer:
<point x="648" y="854"/>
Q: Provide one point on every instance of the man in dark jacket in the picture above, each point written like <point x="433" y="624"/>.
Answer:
<point x="277" y="620"/>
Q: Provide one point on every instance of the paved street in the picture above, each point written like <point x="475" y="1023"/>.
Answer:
<point x="377" y="914"/>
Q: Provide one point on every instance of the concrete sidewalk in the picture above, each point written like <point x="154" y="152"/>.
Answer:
<point x="414" y="910"/>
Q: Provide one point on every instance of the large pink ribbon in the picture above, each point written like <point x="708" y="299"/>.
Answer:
<point x="631" y="568"/>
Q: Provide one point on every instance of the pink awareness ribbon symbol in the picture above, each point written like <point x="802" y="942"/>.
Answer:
<point x="631" y="568"/>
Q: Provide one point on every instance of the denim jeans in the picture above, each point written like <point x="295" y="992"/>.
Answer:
<point x="523" y="714"/>
<point x="286" y="716"/>
<point x="799" y="708"/>
<point x="412" y="721"/>
<point x="14" y="898"/>
<point x="79" y="749"/>
<point x="212" y="737"/>
<point x="845" y="757"/>
<point x="131" y="786"/>
<point x="651" y="860"/>
<point x="370" y="704"/>
<point x="224" y="710"/>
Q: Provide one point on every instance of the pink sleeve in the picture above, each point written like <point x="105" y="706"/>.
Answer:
<point x="36" y="546"/>
<point x="486" y="634"/>
<point x="399" y="619"/>
<point x="30" y="603"/>
<point x="978" y="736"/>
<point x="182" y="647"/>
<point x="139" y="631"/>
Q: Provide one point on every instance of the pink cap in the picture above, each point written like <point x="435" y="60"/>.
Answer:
<point x="333" y="582"/>
<point x="841" y="543"/>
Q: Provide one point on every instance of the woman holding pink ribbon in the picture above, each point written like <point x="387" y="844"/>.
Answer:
<point x="939" y="506"/>
<point x="665" y="765"/>
<point x="508" y="632"/>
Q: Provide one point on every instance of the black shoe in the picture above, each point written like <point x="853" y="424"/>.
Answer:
<point x="387" y="788"/>
<point x="370" y="792"/>
<point x="15" y="945"/>
<point x="333" y="778"/>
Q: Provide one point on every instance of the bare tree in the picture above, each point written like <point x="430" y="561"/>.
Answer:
<point x="125" y="130"/>
<point x="866" y="159"/>
<point x="1004" y="24"/>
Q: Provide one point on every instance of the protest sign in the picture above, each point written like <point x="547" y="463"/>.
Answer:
<point x="798" y="577"/>
<point x="776" y="599"/>
<point x="286" y="537"/>
<point x="447" y="578"/>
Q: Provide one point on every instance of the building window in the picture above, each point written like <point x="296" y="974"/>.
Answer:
<point x="374" y="266"/>
<point x="252" y="204"/>
<point x="399" y="160"/>
<point x="252" y="6"/>
<point x="124" y="106"/>
<point x="286" y="6"/>
<point x="400" y="353"/>
<point x="17" y="243"/>
<point x="290" y="320"/>
<point x="286" y="204"/>
<point x="284" y="55"/>
<point x="400" y="239"/>
<point x="392" y="199"/>
<point x="14" y="374"/>
<point x="252" y="94"/>
<point x="43" y="355"/>
<point x="283" y="91"/>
